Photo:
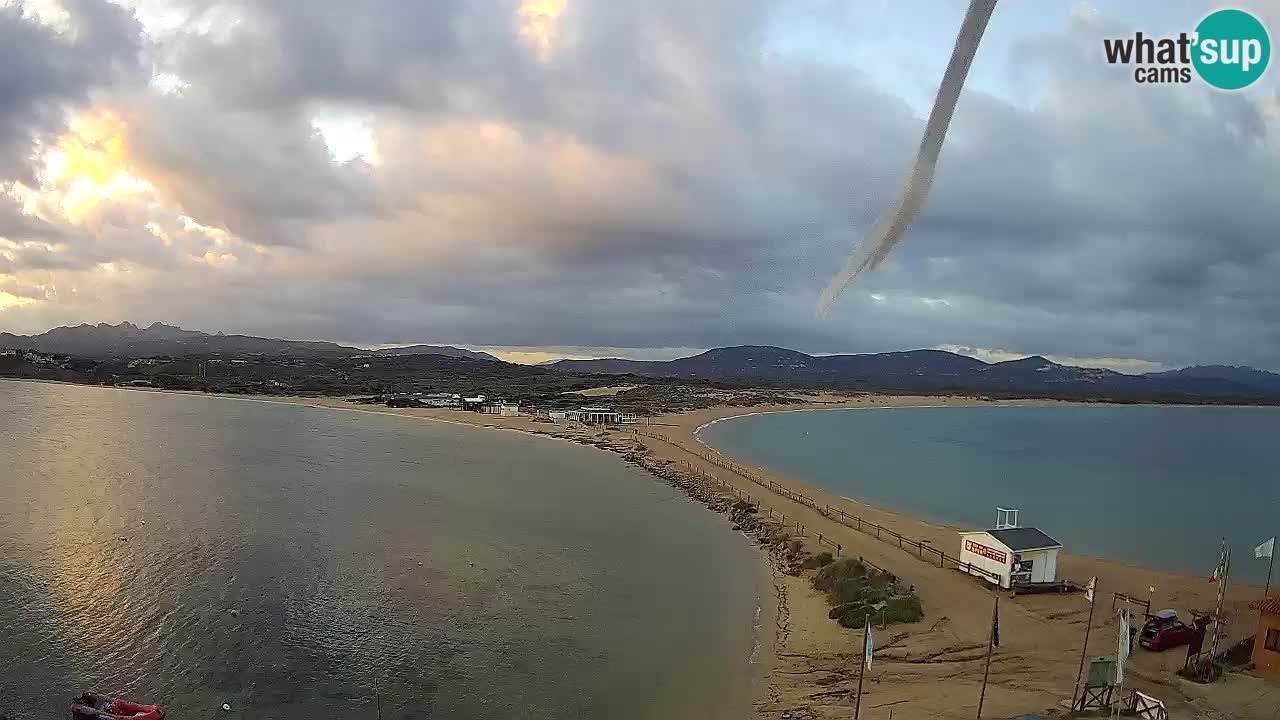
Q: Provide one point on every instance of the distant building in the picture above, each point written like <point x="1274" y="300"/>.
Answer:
<point x="475" y="404"/>
<point x="1266" y="645"/>
<point x="501" y="407"/>
<point x="601" y="416"/>
<point x="439" y="400"/>
<point x="1015" y="555"/>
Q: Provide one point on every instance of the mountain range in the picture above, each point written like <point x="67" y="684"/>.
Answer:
<point x="128" y="340"/>
<point x="940" y="371"/>
<point x="927" y="371"/>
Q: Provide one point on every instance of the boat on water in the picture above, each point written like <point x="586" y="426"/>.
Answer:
<point x="95" y="706"/>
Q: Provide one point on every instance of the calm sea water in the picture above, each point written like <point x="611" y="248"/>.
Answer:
<point x="474" y="574"/>
<point x="1154" y="486"/>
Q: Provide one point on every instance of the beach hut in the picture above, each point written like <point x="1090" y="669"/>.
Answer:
<point x="1266" y="646"/>
<point x="1018" y="556"/>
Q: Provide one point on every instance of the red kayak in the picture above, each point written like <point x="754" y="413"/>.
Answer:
<point x="92" y="706"/>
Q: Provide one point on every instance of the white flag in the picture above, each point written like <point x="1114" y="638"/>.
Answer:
<point x="1265" y="549"/>
<point x="1122" y="653"/>
<point x="1088" y="590"/>
<point x="869" y="644"/>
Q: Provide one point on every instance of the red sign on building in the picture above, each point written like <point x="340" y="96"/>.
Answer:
<point x="990" y="553"/>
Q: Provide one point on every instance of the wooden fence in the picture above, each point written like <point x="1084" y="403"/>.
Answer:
<point x="923" y="550"/>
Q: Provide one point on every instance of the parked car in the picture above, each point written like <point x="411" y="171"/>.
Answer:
<point x="1164" y="630"/>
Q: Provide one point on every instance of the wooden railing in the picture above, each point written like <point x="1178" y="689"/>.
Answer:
<point x="924" y="551"/>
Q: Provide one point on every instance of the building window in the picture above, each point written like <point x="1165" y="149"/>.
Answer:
<point x="1272" y="642"/>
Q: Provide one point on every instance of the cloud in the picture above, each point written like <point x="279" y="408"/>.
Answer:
<point x="620" y="174"/>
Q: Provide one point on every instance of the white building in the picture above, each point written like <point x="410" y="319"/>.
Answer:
<point x="1016" y="555"/>
<point x="601" y="416"/>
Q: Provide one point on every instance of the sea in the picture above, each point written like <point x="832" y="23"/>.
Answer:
<point x="299" y="562"/>
<point x="1152" y="486"/>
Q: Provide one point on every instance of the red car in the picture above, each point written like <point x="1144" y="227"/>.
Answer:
<point x="1164" y="630"/>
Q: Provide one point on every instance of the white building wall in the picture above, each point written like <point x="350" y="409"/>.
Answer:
<point x="1050" y="565"/>
<point x="983" y="551"/>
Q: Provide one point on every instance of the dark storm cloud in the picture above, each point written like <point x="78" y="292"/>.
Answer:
<point x="660" y="179"/>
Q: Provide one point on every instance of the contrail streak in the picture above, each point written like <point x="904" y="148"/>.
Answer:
<point x="889" y="230"/>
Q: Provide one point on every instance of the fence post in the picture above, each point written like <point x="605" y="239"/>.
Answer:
<point x="838" y="548"/>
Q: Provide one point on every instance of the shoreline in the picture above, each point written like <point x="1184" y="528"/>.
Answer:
<point x="916" y="516"/>
<point x="1048" y="664"/>
<point x="808" y="664"/>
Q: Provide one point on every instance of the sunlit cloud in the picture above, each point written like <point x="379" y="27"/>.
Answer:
<point x="539" y="25"/>
<point x="86" y="167"/>
<point x="348" y="136"/>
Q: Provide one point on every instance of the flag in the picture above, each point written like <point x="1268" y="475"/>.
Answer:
<point x="1221" y="567"/>
<point x="995" y="624"/>
<point x="869" y="644"/>
<point x="1122" y="653"/>
<point x="1266" y="549"/>
<point x="1088" y="590"/>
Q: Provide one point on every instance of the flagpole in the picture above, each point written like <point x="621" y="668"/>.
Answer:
<point x="862" y="669"/>
<point x="1270" y="566"/>
<point x="1084" y="649"/>
<point x="1122" y="660"/>
<point x="991" y="639"/>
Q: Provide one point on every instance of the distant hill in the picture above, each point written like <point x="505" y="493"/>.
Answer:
<point x="128" y="340"/>
<point x="940" y="371"/>
<point x="445" y="350"/>
<point x="1245" y="376"/>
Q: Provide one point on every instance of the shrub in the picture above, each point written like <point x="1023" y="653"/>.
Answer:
<point x="854" y="617"/>
<point x="903" y="609"/>
<point x="823" y="559"/>
<point x="838" y="570"/>
<point x="847" y="590"/>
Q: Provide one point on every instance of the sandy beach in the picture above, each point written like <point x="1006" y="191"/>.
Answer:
<point x="807" y="665"/>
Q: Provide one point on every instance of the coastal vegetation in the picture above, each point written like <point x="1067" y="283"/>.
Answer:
<point x="857" y="591"/>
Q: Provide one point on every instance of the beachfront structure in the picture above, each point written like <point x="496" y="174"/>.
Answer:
<point x="441" y="400"/>
<point x="473" y="403"/>
<point x="601" y="416"/>
<point x="500" y="407"/>
<point x="1018" y="556"/>
<point x="1266" y="644"/>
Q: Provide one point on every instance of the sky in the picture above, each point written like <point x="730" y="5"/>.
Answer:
<point x="636" y="178"/>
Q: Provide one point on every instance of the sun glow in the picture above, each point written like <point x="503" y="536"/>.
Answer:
<point x="539" y="20"/>
<point x="89" y="166"/>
